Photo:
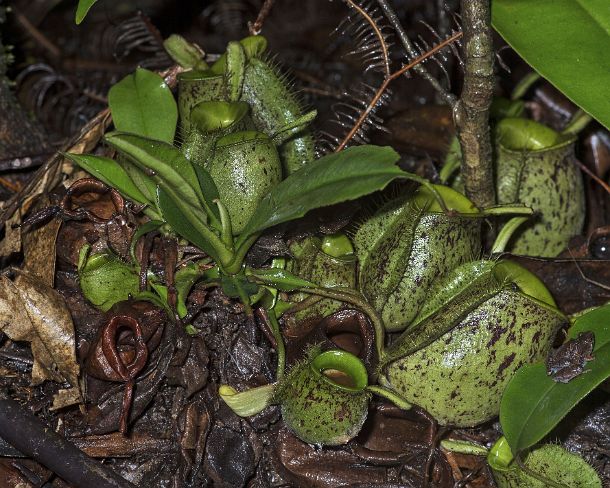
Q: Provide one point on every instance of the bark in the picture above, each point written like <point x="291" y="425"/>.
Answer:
<point x="472" y="111"/>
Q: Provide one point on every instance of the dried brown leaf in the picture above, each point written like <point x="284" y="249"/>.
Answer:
<point x="39" y="252"/>
<point x="66" y="398"/>
<point x="51" y="173"/>
<point x="12" y="239"/>
<point x="33" y="312"/>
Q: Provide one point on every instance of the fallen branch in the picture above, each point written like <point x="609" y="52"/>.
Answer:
<point x="34" y="439"/>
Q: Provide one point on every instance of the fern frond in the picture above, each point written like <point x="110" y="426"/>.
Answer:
<point x="422" y="46"/>
<point x="371" y="36"/>
<point x="380" y="96"/>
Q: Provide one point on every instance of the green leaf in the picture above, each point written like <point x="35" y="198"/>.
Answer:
<point x="337" y="177"/>
<point x="249" y="402"/>
<point x="111" y="173"/>
<point x="209" y="190"/>
<point x="533" y="404"/>
<point x="105" y="279"/>
<point x="153" y="298"/>
<point x="187" y="224"/>
<point x="281" y="279"/>
<point x="170" y="167"/>
<point x="82" y="9"/>
<point x="141" y="180"/>
<point x="566" y="41"/>
<point x="143" y="104"/>
<point x="187" y="276"/>
<point x="237" y="286"/>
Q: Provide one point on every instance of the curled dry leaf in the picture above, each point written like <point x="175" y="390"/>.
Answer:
<point x="33" y="312"/>
<point x="12" y="238"/>
<point x="50" y="174"/>
<point x="39" y="252"/>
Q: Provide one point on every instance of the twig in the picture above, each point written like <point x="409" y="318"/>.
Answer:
<point x="472" y="111"/>
<point x="595" y="178"/>
<point x="390" y="14"/>
<point x="256" y="27"/>
<point x="383" y="87"/>
<point x="584" y="277"/>
<point x="34" y="439"/>
<point x="22" y="162"/>
<point x="9" y="185"/>
<point x="35" y="34"/>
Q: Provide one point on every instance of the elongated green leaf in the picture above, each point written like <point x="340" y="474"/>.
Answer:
<point x="188" y="225"/>
<point x="533" y="403"/>
<point x="111" y="173"/>
<point x="337" y="177"/>
<point x="153" y="298"/>
<point x="210" y="193"/>
<point x="143" y="104"/>
<point x="168" y="164"/>
<point x="281" y="279"/>
<point x="566" y="41"/>
<point x="145" y="183"/>
<point x="82" y="9"/>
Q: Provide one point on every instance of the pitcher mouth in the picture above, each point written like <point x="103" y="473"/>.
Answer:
<point x="341" y="369"/>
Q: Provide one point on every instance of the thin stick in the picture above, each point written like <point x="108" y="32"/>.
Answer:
<point x="36" y="440"/>
<point x="35" y="34"/>
<point x="595" y="178"/>
<point x="256" y="28"/>
<point x="585" y="277"/>
<point x="14" y="187"/>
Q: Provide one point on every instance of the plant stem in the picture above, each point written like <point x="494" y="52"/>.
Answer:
<point x="506" y="233"/>
<point x="256" y="27"/>
<point x="243" y="246"/>
<point x="579" y="121"/>
<point x="396" y="399"/>
<point x="472" y="111"/>
<point x="279" y="344"/>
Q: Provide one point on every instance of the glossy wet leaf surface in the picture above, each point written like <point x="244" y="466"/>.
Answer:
<point x="143" y="104"/>
<point x="182" y="221"/>
<point x="566" y="41"/>
<point x="167" y="166"/>
<point x="334" y="178"/>
<point x="111" y="173"/>
<point x="533" y="403"/>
